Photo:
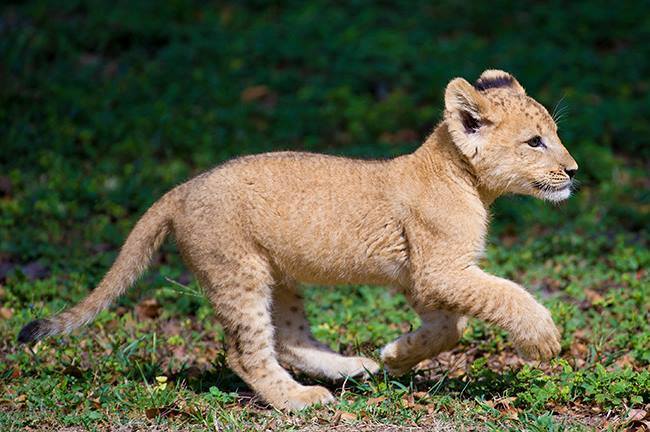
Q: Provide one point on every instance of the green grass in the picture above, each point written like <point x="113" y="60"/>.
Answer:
<point x="109" y="372"/>
<point x="106" y="105"/>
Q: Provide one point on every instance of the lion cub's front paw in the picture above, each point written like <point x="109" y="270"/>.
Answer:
<point x="538" y="338"/>
<point x="360" y="367"/>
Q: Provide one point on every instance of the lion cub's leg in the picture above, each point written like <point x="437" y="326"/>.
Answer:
<point x="242" y="301"/>
<point x="440" y="331"/>
<point x="297" y="347"/>
<point x="470" y="291"/>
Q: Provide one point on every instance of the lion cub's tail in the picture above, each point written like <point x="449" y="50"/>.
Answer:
<point x="135" y="256"/>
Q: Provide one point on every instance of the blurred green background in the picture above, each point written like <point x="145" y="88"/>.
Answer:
<point x="105" y="105"/>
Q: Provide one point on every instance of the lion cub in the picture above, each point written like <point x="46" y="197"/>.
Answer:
<point x="254" y="227"/>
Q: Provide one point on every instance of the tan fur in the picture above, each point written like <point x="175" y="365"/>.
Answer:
<point x="252" y="228"/>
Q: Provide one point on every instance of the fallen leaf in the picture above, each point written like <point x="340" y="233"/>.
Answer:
<point x="167" y="411"/>
<point x="171" y="328"/>
<point x="636" y="415"/>
<point x="579" y="349"/>
<point x="256" y="92"/>
<point x="148" y="308"/>
<point x="511" y="413"/>
<point x="408" y="401"/>
<point x="593" y="296"/>
<point x="638" y="420"/>
<point x="376" y="400"/>
<point x="179" y="352"/>
<point x="504" y="402"/>
<point x="6" y="313"/>
<point x="581" y="334"/>
<point x="342" y="415"/>
<point x="625" y="361"/>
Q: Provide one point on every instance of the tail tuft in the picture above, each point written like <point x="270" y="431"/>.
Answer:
<point x="34" y="331"/>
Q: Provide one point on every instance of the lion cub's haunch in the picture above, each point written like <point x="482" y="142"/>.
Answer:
<point x="254" y="227"/>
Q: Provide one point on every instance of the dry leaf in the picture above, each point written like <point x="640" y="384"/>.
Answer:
<point x="624" y="361"/>
<point x="593" y="296"/>
<point x="639" y="274"/>
<point x="148" y="309"/>
<point x="6" y="313"/>
<point x="408" y="401"/>
<point x="342" y="415"/>
<point x="579" y="349"/>
<point x="637" y="415"/>
<point x="254" y="93"/>
<point x="581" y="334"/>
<point x="167" y="411"/>
<point x="638" y="420"/>
<point x="504" y="402"/>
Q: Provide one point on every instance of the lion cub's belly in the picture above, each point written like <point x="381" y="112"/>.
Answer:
<point x="344" y="254"/>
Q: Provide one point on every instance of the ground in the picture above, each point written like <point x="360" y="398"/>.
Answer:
<point x="106" y="105"/>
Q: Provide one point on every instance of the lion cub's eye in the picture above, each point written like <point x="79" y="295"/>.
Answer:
<point x="535" y="141"/>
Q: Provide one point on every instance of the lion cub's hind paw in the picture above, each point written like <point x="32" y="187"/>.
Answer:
<point x="395" y="364"/>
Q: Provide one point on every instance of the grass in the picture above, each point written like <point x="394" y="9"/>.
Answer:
<point x="105" y="105"/>
<point x="164" y="364"/>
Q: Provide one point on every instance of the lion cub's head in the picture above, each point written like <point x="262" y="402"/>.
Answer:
<point x="508" y="137"/>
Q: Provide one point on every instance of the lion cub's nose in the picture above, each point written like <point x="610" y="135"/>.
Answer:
<point x="570" y="172"/>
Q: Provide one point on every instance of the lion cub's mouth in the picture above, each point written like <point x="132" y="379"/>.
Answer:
<point x="545" y="187"/>
<point x="553" y="193"/>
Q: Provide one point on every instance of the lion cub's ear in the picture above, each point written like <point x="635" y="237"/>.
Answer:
<point x="495" y="78"/>
<point x="466" y="112"/>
